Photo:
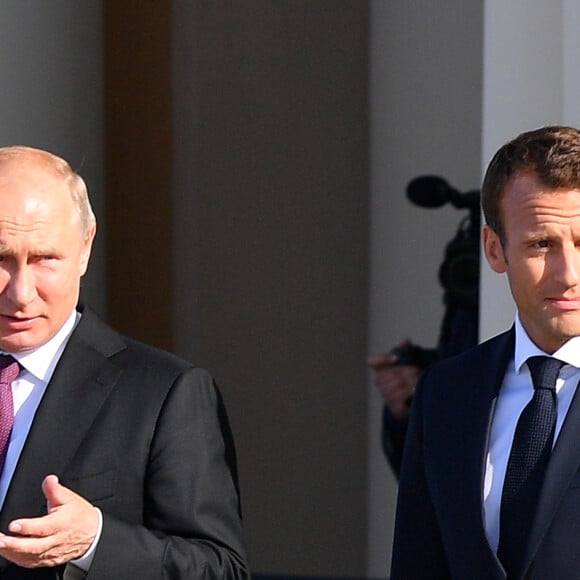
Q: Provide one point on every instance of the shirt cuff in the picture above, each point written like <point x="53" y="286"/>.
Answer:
<point x="85" y="561"/>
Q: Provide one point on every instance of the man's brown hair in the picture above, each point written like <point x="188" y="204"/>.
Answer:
<point x="550" y="154"/>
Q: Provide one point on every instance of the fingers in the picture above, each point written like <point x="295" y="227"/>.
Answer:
<point x="64" y="534"/>
<point x="38" y="527"/>
<point x="396" y="384"/>
<point x="55" y="493"/>
<point x="401" y="378"/>
<point x="381" y="361"/>
<point x="29" y="552"/>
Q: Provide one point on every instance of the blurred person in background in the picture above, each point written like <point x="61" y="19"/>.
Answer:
<point x="397" y="372"/>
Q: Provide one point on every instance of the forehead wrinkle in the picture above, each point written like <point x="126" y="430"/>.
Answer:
<point x="36" y="214"/>
<point x="549" y="206"/>
<point x="11" y="229"/>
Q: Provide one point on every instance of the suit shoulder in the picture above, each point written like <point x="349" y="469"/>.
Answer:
<point x="132" y="356"/>
<point x="494" y="351"/>
<point x="153" y="354"/>
<point x="155" y="359"/>
<point x="465" y="380"/>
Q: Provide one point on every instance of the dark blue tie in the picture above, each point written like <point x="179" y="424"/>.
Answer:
<point x="529" y="457"/>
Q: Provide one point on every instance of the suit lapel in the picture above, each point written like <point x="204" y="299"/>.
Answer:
<point x="82" y="381"/>
<point x="563" y="465"/>
<point x="489" y="374"/>
<point x="461" y="425"/>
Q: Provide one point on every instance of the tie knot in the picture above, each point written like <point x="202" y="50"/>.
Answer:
<point x="9" y="369"/>
<point x="544" y="371"/>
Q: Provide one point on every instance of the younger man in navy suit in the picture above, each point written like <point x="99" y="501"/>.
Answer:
<point x="467" y="443"/>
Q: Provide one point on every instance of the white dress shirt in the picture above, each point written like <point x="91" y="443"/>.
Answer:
<point x="515" y="393"/>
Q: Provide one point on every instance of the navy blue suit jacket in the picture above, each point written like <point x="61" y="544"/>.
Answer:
<point x="439" y="530"/>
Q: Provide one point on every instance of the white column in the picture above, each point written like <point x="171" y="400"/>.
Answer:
<point x="571" y="58"/>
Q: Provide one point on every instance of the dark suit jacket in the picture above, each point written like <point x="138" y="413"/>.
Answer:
<point x="439" y="530"/>
<point x="144" y="436"/>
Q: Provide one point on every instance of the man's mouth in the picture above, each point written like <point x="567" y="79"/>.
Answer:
<point x="565" y="303"/>
<point x="18" y="322"/>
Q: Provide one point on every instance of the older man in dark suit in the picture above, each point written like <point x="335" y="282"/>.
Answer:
<point x="117" y="459"/>
<point x="490" y="479"/>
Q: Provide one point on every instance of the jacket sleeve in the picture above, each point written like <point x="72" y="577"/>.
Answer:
<point x="191" y="525"/>
<point x="393" y="439"/>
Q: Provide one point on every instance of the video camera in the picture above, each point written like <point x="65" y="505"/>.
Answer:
<point x="459" y="271"/>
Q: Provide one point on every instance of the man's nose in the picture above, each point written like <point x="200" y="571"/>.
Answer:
<point x="569" y="268"/>
<point x="21" y="288"/>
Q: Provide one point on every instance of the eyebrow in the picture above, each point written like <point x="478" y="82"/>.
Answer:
<point x="35" y="251"/>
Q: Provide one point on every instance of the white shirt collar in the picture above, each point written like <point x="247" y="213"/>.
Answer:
<point x="569" y="352"/>
<point x="42" y="361"/>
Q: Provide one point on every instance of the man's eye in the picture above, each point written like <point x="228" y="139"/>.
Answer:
<point x="542" y="244"/>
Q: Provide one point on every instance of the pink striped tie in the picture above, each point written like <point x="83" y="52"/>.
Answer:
<point x="9" y="370"/>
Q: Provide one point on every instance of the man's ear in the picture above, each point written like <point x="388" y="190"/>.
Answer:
<point x="86" y="250"/>
<point x="494" y="251"/>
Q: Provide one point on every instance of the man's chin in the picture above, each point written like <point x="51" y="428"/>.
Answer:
<point x="17" y="342"/>
<point x="567" y="328"/>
